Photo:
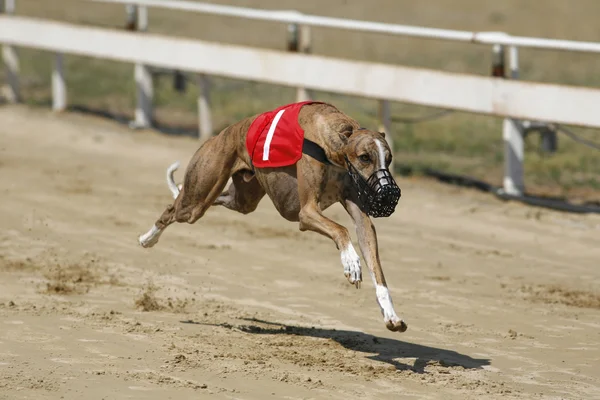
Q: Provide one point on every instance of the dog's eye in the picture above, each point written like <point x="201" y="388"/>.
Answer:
<point x="364" y="158"/>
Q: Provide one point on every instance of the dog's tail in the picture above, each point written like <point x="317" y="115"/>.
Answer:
<point x="173" y="187"/>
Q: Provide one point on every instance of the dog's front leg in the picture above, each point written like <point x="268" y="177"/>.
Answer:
<point x="311" y="218"/>
<point x="367" y="241"/>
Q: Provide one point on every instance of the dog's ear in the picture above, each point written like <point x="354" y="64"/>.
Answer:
<point x="346" y="130"/>
<point x="345" y="134"/>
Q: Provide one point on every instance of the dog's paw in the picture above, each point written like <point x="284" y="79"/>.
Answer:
<point x="396" y="326"/>
<point x="150" y="238"/>
<point x="351" y="263"/>
<point x="145" y="242"/>
<point x="390" y="319"/>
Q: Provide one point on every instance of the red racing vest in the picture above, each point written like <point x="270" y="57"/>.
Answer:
<point x="275" y="138"/>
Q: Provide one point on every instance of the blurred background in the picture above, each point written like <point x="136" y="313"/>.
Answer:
<point x="456" y="143"/>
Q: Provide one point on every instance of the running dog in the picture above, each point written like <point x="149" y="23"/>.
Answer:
<point x="305" y="157"/>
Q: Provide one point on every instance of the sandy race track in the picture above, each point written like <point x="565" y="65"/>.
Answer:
<point x="501" y="300"/>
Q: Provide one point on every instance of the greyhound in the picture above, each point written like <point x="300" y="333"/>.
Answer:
<point x="339" y="162"/>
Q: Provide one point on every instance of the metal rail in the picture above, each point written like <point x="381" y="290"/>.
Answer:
<point x="295" y="17"/>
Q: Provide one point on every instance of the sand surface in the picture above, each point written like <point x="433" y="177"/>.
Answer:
<point x="502" y="300"/>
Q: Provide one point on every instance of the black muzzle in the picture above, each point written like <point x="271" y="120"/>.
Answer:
<point x="378" y="195"/>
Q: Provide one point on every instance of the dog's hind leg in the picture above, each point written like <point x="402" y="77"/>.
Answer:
<point x="367" y="240"/>
<point x="205" y="178"/>
<point x="243" y="194"/>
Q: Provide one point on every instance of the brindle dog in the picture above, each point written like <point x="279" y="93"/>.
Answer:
<point x="300" y="192"/>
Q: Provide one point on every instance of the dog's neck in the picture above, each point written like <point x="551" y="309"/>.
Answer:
<point x="315" y="151"/>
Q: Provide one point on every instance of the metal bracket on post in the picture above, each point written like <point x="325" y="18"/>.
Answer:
<point x="299" y="41"/>
<point x="10" y="59"/>
<point x="512" y="131"/>
<point x="549" y="140"/>
<point x="547" y="132"/>
<point x="59" y="87"/>
<point x="205" y="126"/>
<point x="179" y="81"/>
<point x="137" y="18"/>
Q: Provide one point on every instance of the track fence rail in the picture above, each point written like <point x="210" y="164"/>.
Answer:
<point x="522" y="104"/>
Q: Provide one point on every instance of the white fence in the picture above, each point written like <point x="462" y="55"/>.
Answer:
<point x="477" y="94"/>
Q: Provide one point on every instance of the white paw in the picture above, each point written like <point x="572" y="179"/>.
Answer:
<point x="150" y="238"/>
<point x="390" y="319"/>
<point x="146" y="243"/>
<point x="351" y="263"/>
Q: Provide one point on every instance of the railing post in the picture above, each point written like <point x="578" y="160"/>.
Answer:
<point x="498" y="61"/>
<point x="303" y="94"/>
<point x="143" y="77"/>
<point x="10" y="59"/>
<point x="299" y="40"/>
<point x="512" y="134"/>
<point x="131" y="21"/>
<point x="385" y="122"/>
<point x="205" y="126"/>
<point x="59" y="87"/>
<point x="513" y="62"/>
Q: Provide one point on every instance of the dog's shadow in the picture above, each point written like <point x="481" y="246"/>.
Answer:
<point x="385" y="350"/>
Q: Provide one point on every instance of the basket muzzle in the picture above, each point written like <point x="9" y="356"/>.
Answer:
<point x="378" y="195"/>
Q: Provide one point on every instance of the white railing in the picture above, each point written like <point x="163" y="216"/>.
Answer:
<point x="294" y="17"/>
<point x="477" y="94"/>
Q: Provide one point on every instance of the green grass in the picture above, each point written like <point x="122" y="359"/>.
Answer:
<point x="458" y="143"/>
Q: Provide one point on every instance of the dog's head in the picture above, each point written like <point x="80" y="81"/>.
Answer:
<point x="367" y="156"/>
<point x="366" y="150"/>
<point x="345" y="140"/>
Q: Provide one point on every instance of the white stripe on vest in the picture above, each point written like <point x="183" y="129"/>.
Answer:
<point x="270" y="134"/>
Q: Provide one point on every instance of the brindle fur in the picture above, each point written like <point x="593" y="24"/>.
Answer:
<point x="299" y="192"/>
